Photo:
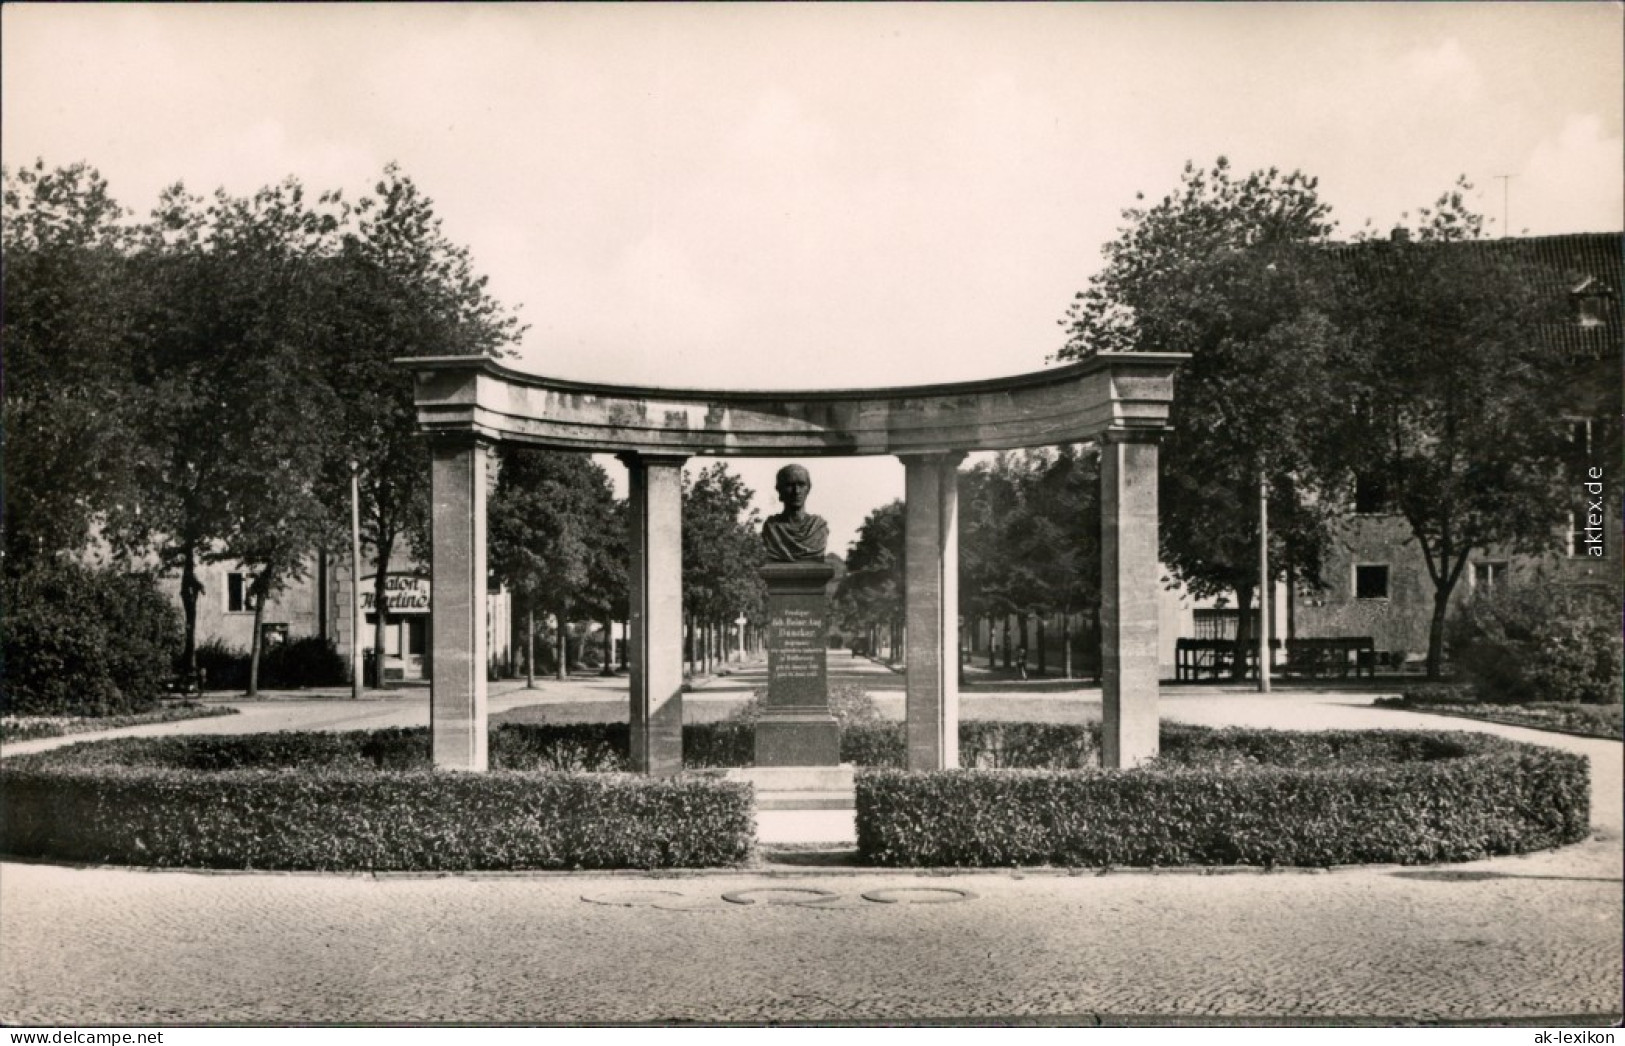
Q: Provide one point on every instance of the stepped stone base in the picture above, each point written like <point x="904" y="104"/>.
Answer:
<point x="799" y="787"/>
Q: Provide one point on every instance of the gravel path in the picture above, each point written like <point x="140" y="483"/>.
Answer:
<point x="1533" y="939"/>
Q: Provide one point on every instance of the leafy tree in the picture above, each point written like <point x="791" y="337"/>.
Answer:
<point x="1030" y="537"/>
<point x="229" y="441"/>
<point x="551" y="527"/>
<point x="66" y="325"/>
<point x="1234" y="271"/>
<point x="1458" y="392"/>
<point x="399" y="288"/>
<point x="274" y="436"/>
<point x="870" y="596"/>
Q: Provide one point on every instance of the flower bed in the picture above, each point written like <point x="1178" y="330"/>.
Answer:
<point x="362" y="801"/>
<point x="1239" y="797"/>
<point x="28" y="728"/>
<point x="1564" y="717"/>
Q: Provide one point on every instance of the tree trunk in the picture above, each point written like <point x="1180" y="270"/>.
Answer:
<point x="191" y="588"/>
<point x="1291" y="603"/>
<point x="1066" y="644"/>
<point x="562" y="642"/>
<point x="1043" y="658"/>
<point x="1441" y="606"/>
<point x="1006" y="642"/>
<point x="1244" y="632"/>
<point x="380" y="609"/>
<point x="256" y="643"/>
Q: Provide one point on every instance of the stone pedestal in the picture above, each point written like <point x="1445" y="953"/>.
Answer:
<point x="796" y="727"/>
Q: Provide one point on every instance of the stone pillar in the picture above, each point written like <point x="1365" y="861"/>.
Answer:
<point x="796" y="727"/>
<point x="931" y="580"/>
<point x="655" y="582"/>
<point x="1128" y="598"/>
<point x="458" y="580"/>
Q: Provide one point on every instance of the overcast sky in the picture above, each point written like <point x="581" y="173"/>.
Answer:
<point x="821" y="196"/>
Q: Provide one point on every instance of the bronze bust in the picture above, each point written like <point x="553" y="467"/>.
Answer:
<point x="794" y="535"/>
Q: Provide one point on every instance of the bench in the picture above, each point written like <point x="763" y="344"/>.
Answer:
<point x="1332" y="657"/>
<point x="1197" y="659"/>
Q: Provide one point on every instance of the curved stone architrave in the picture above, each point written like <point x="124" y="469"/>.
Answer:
<point x="1070" y="404"/>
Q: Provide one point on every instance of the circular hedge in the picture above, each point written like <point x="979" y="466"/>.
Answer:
<point x="369" y="800"/>
<point x="1239" y="797"/>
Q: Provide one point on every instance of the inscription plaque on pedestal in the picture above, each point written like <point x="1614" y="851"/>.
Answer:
<point x="796" y="727"/>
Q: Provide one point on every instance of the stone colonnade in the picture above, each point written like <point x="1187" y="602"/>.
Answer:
<point x="1119" y="401"/>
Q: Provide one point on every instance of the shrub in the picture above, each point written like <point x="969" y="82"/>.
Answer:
<point x="232" y="802"/>
<point x="1390" y="797"/>
<point x="79" y="640"/>
<point x="1539" y="642"/>
<point x="224" y="667"/>
<point x="302" y="662"/>
<point x="849" y="703"/>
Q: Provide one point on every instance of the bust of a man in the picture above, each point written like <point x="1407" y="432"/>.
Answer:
<point x="794" y="535"/>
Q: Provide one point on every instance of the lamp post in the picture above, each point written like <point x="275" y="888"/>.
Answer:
<point x="355" y="581"/>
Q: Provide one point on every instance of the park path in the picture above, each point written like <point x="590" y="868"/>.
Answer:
<point x="591" y="698"/>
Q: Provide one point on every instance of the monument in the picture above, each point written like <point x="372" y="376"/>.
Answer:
<point x="796" y="727"/>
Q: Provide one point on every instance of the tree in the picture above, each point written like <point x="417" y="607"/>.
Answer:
<point x="1458" y="392"/>
<point x="229" y="440"/>
<point x="870" y="596"/>
<point x="1031" y="537"/>
<point x="550" y="531"/>
<point x="68" y="318"/>
<point x="273" y="438"/>
<point x="400" y="288"/>
<point x="1233" y="271"/>
<point x="722" y="554"/>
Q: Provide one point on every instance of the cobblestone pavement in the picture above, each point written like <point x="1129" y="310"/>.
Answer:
<point x="110" y="946"/>
<point x="1522" y="939"/>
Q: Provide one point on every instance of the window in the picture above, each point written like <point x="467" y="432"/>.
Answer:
<point x="1371" y="581"/>
<point x="1370" y="495"/>
<point x="1488" y="575"/>
<point x="238" y="598"/>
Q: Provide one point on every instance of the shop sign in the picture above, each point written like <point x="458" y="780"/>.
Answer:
<point x="403" y="594"/>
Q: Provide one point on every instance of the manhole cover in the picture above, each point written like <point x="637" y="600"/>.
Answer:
<point x="918" y="895"/>
<point x="780" y="895"/>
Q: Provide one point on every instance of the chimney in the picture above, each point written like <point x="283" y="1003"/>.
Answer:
<point x="1400" y="235"/>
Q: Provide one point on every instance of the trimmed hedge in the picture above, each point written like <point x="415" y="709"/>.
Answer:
<point x="360" y="801"/>
<point x="1240" y="797"/>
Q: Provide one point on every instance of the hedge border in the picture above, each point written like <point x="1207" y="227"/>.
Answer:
<point x="349" y="819"/>
<point x="1468" y="796"/>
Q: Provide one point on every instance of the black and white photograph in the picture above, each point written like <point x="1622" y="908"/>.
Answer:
<point x="871" y="516"/>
